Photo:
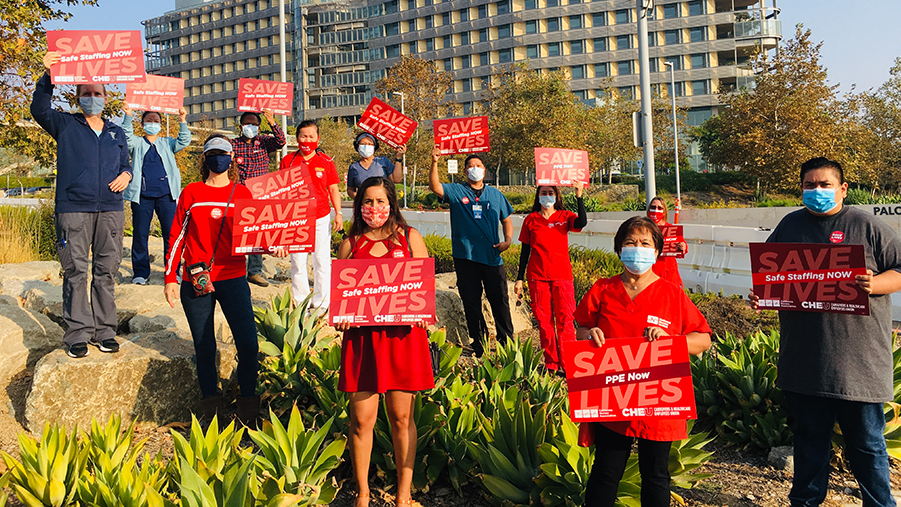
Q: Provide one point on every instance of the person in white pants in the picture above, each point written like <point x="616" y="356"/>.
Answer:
<point x="324" y="183"/>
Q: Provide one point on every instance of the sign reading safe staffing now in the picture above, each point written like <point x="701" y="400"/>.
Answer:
<point x="557" y="166"/>
<point x="387" y="124"/>
<point x="672" y="236"/>
<point x="629" y="378"/>
<point x="462" y="135"/>
<point x="809" y="277"/>
<point x="97" y="56"/>
<point x="264" y="225"/>
<point x="382" y="291"/>
<point x="254" y="95"/>
<point x="158" y="93"/>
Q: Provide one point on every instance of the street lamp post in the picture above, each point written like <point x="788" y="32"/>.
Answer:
<point x="672" y="73"/>
<point x="405" y="153"/>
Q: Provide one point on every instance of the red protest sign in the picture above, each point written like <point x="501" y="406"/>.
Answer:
<point x="629" y="378"/>
<point x="291" y="183"/>
<point x="158" y="93"/>
<point x="462" y="135"/>
<point x="97" y="56"/>
<point x="809" y="277"/>
<point x="370" y="292"/>
<point x="387" y="124"/>
<point x="264" y="225"/>
<point x="556" y="166"/>
<point x="672" y="236"/>
<point x="256" y="94"/>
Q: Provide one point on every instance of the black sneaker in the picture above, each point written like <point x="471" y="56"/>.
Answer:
<point x="108" y="345"/>
<point x="77" y="350"/>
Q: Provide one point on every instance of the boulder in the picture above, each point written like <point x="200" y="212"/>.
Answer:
<point x="782" y="458"/>
<point x="16" y="279"/>
<point x="152" y="378"/>
<point x="449" y="310"/>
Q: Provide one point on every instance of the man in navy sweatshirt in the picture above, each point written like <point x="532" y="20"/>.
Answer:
<point x="93" y="169"/>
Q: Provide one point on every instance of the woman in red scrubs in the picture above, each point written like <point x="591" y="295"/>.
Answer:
<point x="665" y="267"/>
<point x="636" y="303"/>
<point x="545" y="250"/>
<point x="389" y="360"/>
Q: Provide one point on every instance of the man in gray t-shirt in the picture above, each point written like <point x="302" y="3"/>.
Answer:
<point x="838" y="367"/>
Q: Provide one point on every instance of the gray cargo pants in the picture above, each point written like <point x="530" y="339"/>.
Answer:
<point x="78" y="236"/>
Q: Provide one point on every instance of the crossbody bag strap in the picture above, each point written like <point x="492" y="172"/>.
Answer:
<point x="222" y="225"/>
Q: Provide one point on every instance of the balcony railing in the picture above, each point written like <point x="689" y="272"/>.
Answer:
<point x="758" y="28"/>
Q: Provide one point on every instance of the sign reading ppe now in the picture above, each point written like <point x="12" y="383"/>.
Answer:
<point x="672" y="236"/>
<point x="557" y="166"/>
<point x="97" y="56"/>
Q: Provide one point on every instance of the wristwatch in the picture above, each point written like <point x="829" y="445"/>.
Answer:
<point x="398" y="159"/>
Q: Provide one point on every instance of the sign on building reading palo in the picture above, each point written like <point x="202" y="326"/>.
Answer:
<point x="462" y="135"/>
<point x="97" y="56"/>
<point x="368" y="292"/>
<point x="629" y="378"/>
<point x="254" y="95"/>
<point x="387" y="124"/>
<point x="809" y="277"/>
<point x="557" y="166"/>
<point x="158" y="93"/>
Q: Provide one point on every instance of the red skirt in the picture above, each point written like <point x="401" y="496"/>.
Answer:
<point x="390" y="358"/>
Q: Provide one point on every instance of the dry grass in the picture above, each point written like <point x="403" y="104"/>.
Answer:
<point x="26" y="234"/>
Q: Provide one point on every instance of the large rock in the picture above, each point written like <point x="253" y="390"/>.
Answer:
<point x="782" y="458"/>
<point x="16" y="279"/>
<point x="25" y="337"/>
<point x="152" y="378"/>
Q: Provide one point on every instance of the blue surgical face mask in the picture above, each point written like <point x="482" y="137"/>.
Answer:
<point x="152" y="129"/>
<point x="638" y="259"/>
<point x="218" y="163"/>
<point x="547" y="201"/>
<point x="250" y="131"/>
<point x="819" y="200"/>
<point x="92" y="106"/>
<point x="366" y="150"/>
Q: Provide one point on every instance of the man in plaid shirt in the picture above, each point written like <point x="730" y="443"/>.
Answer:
<point x="252" y="157"/>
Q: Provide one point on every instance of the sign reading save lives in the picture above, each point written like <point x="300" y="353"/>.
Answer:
<point x="97" y="56"/>
<point x="809" y="277"/>
<point x="369" y="292"/>
<point x="629" y="378"/>
<point x="256" y="94"/>
<point x="556" y="166"/>
<point x="264" y="225"/>
<point x="387" y="124"/>
<point x="462" y="135"/>
<point x="159" y="93"/>
<point x="672" y="236"/>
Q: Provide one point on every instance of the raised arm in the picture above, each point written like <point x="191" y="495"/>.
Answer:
<point x="184" y="133"/>
<point x="434" y="180"/>
<point x="398" y="175"/>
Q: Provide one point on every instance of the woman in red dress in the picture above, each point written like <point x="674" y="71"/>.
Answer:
<point x="636" y="303"/>
<point x="666" y="267"/>
<point x="389" y="360"/>
<point x="545" y="250"/>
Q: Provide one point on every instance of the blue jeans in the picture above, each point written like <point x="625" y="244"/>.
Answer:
<point x="862" y="425"/>
<point x="141" y="217"/>
<point x="233" y="296"/>
<point x="254" y="264"/>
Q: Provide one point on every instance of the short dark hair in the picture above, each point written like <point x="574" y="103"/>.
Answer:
<point x="360" y="136"/>
<point x="250" y="113"/>
<point x="820" y="163"/>
<point x="473" y="156"/>
<point x="304" y="124"/>
<point x="558" y="203"/>
<point x="144" y="115"/>
<point x="637" y="223"/>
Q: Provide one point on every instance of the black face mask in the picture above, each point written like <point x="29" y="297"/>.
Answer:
<point x="219" y="163"/>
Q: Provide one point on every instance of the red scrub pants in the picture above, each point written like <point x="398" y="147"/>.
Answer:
<point x="553" y="304"/>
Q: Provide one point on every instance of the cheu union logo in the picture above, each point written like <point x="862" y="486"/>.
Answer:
<point x="216" y="213"/>
<point x="837" y="237"/>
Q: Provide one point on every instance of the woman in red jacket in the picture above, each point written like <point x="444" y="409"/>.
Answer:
<point x="545" y="250"/>
<point x="389" y="360"/>
<point x="636" y="303"/>
<point x="665" y="267"/>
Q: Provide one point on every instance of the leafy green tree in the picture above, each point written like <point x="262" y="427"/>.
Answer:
<point x="336" y="138"/>
<point x="880" y="139"/>
<point x="791" y="115"/>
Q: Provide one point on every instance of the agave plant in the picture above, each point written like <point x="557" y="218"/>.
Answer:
<point x="449" y="454"/>
<point x="209" y="455"/>
<point x="50" y="469"/>
<point x="566" y="467"/>
<point x="320" y="373"/>
<point x="449" y="355"/>
<point x="294" y="462"/>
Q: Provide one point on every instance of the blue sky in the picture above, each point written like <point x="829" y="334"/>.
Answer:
<point x="860" y="43"/>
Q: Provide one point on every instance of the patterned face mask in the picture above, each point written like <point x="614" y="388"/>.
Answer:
<point x="375" y="216"/>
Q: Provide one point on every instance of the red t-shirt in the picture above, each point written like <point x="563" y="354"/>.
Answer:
<point x="660" y="304"/>
<point x="199" y="238"/>
<point x="322" y="173"/>
<point x="549" y="259"/>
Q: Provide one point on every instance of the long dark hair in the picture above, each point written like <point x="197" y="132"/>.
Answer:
<point x="395" y="219"/>
<point x="558" y="199"/>
<point x="233" y="174"/>
<point x="662" y="203"/>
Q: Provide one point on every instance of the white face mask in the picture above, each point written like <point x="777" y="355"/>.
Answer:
<point x="475" y="173"/>
<point x="366" y="150"/>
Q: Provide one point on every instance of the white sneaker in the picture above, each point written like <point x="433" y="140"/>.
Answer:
<point x="139" y="280"/>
